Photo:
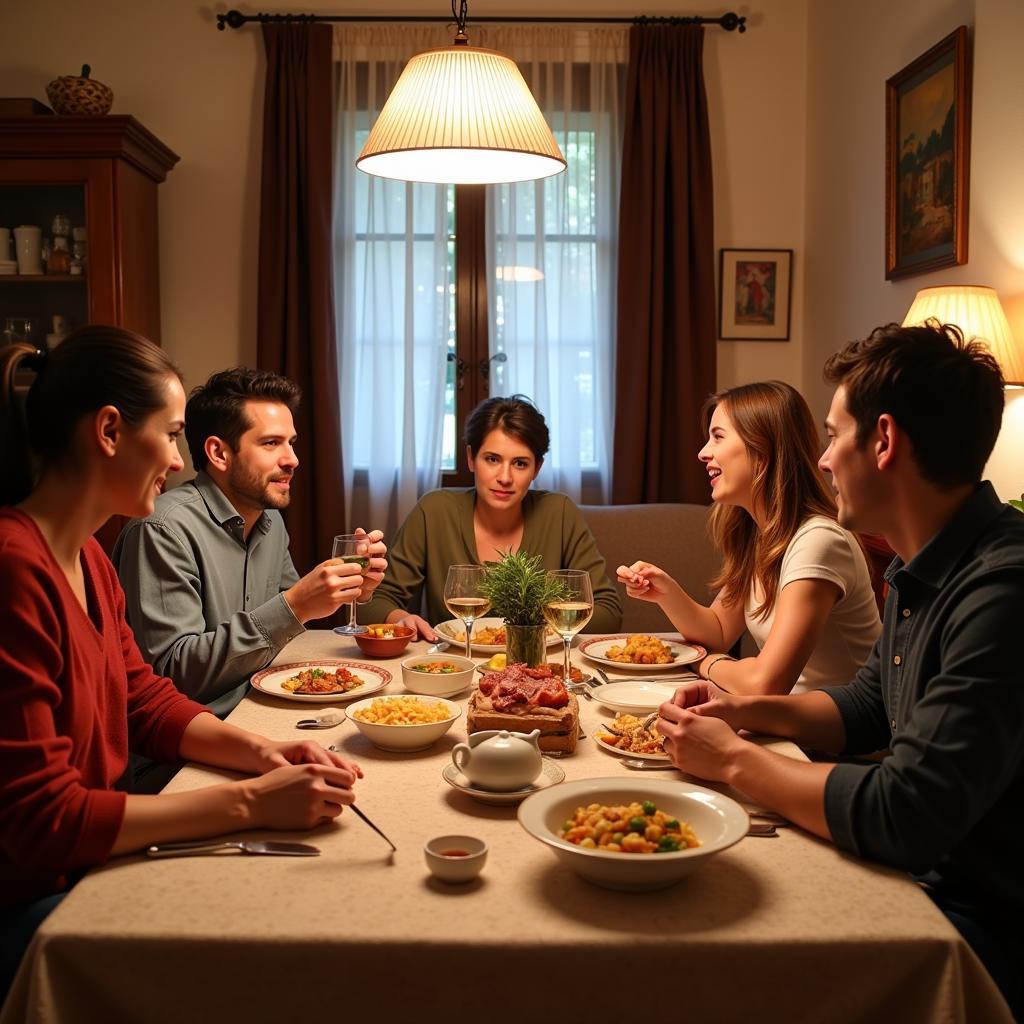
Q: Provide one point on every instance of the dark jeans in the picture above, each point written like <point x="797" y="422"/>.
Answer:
<point x="17" y="926"/>
<point x="999" y="954"/>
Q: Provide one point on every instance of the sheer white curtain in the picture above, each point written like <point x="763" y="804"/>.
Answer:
<point x="552" y="251"/>
<point x="393" y="287"/>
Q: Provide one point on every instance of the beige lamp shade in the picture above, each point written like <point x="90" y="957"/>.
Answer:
<point x="461" y="116"/>
<point x="979" y="314"/>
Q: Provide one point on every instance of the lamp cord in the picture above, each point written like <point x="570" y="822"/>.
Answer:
<point x="460" y="15"/>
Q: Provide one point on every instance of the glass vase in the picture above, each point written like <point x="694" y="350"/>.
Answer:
<point x="525" y="644"/>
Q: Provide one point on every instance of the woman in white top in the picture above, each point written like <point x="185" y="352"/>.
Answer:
<point x="791" y="575"/>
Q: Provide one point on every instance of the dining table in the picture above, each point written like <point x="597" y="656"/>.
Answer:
<point x="779" y="928"/>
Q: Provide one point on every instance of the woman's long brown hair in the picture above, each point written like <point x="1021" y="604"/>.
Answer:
<point x="774" y="422"/>
<point x="93" y="367"/>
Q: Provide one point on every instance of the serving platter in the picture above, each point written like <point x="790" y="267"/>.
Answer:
<point x="596" y="649"/>
<point x="270" y="680"/>
<point x="452" y="628"/>
<point x="551" y="775"/>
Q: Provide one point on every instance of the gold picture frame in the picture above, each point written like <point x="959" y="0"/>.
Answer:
<point x="927" y="160"/>
<point x="755" y="288"/>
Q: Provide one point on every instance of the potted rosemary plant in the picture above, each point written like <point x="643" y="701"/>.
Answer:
<point x="518" y="588"/>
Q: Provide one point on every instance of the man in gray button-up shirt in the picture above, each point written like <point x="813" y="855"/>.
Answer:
<point x="913" y="421"/>
<point x="212" y="594"/>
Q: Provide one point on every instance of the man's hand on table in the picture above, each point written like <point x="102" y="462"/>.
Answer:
<point x="699" y="736"/>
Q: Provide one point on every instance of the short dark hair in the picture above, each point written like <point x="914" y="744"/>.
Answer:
<point x="944" y="392"/>
<point x="217" y="408"/>
<point x="517" y="416"/>
<point x="95" y="365"/>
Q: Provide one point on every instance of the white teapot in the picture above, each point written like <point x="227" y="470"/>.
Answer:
<point x="499" y="759"/>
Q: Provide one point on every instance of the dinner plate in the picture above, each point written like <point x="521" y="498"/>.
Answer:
<point x="270" y="679"/>
<point x="627" y="753"/>
<point x="453" y="628"/>
<point x="634" y="696"/>
<point x="596" y="649"/>
<point x="551" y="775"/>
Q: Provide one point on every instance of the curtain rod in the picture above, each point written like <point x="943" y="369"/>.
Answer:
<point x="730" y="22"/>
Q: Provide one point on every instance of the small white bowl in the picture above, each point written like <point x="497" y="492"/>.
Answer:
<point x="717" y="821"/>
<point x="403" y="737"/>
<point x="455" y="859"/>
<point x="437" y="684"/>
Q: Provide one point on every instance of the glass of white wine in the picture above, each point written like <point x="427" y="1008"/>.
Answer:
<point x="352" y="547"/>
<point x="464" y="597"/>
<point x="571" y="611"/>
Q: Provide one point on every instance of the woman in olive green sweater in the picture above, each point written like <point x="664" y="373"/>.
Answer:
<point x="506" y="441"/>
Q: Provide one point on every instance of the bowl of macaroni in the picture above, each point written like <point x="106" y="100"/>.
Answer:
<point x="403" y="723"/>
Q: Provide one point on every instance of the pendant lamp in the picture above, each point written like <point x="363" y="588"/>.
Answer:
<point x="464" y="116"/>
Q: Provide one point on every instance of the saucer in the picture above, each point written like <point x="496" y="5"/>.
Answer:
<point x="551" y="775"/>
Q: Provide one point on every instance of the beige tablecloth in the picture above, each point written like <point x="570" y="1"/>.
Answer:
<point x="773" y="929"/>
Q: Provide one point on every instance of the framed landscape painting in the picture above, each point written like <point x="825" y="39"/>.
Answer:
<point x="927" y="160"/>
<point x="755" y="289"/>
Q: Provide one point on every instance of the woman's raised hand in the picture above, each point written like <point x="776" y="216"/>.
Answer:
<point x="646" y="582"/>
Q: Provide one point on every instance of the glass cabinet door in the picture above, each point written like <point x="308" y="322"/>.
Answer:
<point x="44" y="294"/>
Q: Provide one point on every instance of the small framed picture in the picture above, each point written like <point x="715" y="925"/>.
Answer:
<point x="927" y="159"/>
<point x="755" y="290"/>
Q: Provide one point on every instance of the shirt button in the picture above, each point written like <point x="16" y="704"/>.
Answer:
<point x="897" y="660"/>
<point x="893" y="723"/>
<point x="906" y="613"/>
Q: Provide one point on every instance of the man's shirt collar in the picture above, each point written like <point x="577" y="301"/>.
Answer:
<point x="938" y="559"/>
<point x="220" y="508"/>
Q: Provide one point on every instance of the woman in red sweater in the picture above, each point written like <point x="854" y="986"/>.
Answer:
<point x="98" y="437"/>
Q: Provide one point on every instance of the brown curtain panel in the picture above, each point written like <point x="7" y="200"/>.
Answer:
<point x="295" y="299"/>
<point x="665" y="365"/>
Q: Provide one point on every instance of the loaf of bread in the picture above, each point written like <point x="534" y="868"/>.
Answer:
<point x="559" y="727"/>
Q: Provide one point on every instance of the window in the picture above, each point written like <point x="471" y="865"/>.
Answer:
<point x="446" y="295"/>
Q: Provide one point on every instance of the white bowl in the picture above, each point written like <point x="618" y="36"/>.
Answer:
<point x="470" y="855"/>
<point x="403" y="737"/>
<point x="717" y="821"/>
<point x="437" y="685"/>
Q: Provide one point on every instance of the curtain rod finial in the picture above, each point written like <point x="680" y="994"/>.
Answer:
<point x="233" y="19"/>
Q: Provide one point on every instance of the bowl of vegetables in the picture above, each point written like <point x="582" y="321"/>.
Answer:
<point x="437" y="675"/>
<point x="633" y="835"/>
<point x="385" y="639"/>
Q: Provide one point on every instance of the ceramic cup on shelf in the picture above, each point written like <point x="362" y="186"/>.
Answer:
<point x="28" y="241"/>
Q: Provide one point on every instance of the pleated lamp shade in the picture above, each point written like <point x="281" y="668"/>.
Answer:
<point x="978" y="312"/>
<point x="461" y="116"/>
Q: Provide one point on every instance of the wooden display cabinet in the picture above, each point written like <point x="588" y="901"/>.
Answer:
<point x="103" y="173"/>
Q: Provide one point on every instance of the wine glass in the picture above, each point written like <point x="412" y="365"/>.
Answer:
<point x="571" y="611"/>
<point x="464" y="597"/>
<point x="352" y="547"/>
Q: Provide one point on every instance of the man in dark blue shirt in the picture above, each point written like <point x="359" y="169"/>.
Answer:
<point x="914" y="418"/>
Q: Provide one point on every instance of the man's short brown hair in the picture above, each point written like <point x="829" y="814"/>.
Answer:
<point x="945" y="393"/>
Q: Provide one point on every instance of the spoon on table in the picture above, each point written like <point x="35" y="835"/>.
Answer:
<point x="328" y="720"/>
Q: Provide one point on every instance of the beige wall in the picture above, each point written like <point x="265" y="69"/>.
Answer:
<point x="852" y="50"/>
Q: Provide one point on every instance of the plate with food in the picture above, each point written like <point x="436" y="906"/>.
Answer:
<point x="634" y="696"/>
<point x="320" y="682"/>
<point x="488" y="634"/>
<point x="640" y="651"/>
<point x="551" y="775"/>
<point x="627" y="737"/>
